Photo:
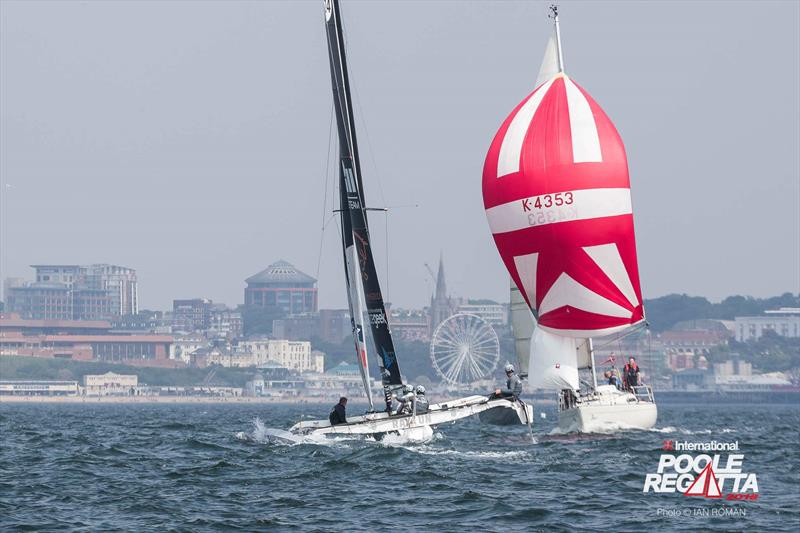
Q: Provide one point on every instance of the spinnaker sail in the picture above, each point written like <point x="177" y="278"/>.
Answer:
<point x="360" y="271"/>
<point x="557" y="197"/>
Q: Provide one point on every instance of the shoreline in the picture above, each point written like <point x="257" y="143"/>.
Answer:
<point x="11" y="399"/>
<point x="99" y="400"/>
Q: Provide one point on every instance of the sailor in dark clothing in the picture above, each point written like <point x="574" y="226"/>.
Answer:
<point x="337" y="415"/>
<point x="513" y="386"/>
<point x="630" y="374"/>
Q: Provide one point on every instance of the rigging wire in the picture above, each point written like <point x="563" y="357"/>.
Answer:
<point x="325" y="194"/>
<point x="636" y="329"/>
<point x="361" y="117"/>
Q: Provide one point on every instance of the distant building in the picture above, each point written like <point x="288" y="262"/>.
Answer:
<point x="343" y="379"/>
<point x="409" y="325"/>
<point x="191" y="315"/>
<point x="187" y="345"/>
<point x="38" y="388"/>
<point x="93" y="304"/>
<point x="79" y="292"/>
<point x="109" y="383"/>
<point x="492" y="312"/>
<point x="66" y="275"/>
<point x="42" y="301"/>
<point x="297" y="327"/>
<point x="282" y="285"/>
<point x="224" y="323"/>
<point x="144" y="322"/>
<point x="11" y="283"/>
<point x="684" y="346"/>
<point x="78" y="339"/>
<point x="784" y="321"/>
<point x="334" y="325"/>
<point x="294" y="355"/>
<point x="119" y="281"/>
<point x="441" y="305"/>
<point x="329" y="325"/>
<point x="733" y="367"/>
<point x="254" y="387"/>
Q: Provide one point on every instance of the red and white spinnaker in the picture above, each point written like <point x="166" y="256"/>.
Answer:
<point x="557" y="197"/>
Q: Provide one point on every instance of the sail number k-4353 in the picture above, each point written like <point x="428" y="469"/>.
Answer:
<point x="546" y="201"/>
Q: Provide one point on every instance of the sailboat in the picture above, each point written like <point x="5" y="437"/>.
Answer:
<point x="557" y="196"/>
<point x="522" y="326"/>
<point x="364" y="291"/>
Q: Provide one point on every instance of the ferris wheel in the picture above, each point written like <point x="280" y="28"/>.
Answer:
<point x="464" y="349"/>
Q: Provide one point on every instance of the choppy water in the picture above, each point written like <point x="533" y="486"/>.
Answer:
<point x="200" y="467"/>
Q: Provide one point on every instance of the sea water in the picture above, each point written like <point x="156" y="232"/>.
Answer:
<point x="202" y="467"/>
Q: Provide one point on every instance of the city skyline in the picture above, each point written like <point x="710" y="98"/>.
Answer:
<point x="222" y="165"/>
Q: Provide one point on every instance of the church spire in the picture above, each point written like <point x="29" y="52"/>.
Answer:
<point x="441" y="285"/>
<point x="440" y="304"/>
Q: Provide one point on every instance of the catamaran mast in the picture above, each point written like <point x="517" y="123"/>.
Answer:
<point x="359" y="261"/>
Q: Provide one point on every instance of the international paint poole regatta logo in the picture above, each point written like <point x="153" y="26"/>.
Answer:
<point x="705" y="475"/>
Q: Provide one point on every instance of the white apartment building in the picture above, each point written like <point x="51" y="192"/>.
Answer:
<point x="294" y="355"/>
<point x="784" y="321"/>
<point x="109" y="383"/>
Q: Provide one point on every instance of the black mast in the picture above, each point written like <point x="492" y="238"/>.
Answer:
<point x="355" y="231"/>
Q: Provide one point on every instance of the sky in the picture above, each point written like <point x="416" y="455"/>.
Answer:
<point x="191" y="140"/>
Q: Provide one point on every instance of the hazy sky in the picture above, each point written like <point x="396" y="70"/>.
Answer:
<point x="189" y="140"/>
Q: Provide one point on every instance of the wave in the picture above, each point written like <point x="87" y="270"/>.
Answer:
<point x="682" y="431"/>
<point x="617" y="427"/>
<point x="512" y="454"/>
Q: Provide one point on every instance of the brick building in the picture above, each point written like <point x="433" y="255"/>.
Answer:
<point x="282" y="285"/>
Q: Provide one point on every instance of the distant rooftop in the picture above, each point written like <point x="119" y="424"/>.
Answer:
<point x="784" y="311"/>
<point x="281" y="272"/>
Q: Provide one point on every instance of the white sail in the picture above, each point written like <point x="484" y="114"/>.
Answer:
<point x="554" y="361"/>
<point x="583" y="353"/>
<point x="522" y="324"/>
<point x="357" y="312"/>
<point x="550" y="66"/>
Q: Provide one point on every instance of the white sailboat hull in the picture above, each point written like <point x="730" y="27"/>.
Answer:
<point x="411" y="426"/>
<point x="607" y="410"/>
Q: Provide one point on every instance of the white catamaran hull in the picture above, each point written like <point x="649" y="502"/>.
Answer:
<point x="608" y="409"/>
<point x="515" y="413"/>
<point x="415" y="427"/>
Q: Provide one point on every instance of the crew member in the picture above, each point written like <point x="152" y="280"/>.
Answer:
<point x="421" y="405"/>
<point x="337" y="415"/>
<point x="513" y="385"/>
<point x="630" y="374"/>
<point x="405" y="401"/>
<point x="614" y="378"/>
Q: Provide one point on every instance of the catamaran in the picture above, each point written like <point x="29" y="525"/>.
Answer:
<point x="363" y="288"/>
<point x="557" y="196"/>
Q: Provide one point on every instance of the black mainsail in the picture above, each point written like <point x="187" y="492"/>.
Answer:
<point x="355" y="230"/>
